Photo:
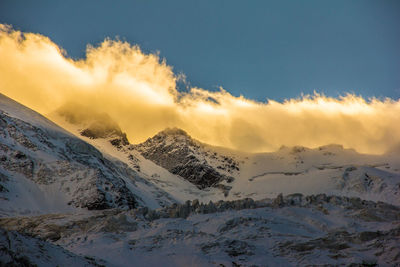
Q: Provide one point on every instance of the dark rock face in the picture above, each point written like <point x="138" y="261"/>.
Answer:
<point x="236" y="248"/>
<point x="176" y="151"/>
<point x="104" y="193"/>
<point x="198" y="174"/>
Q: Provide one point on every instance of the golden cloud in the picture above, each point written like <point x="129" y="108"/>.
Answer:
<point x="139" y="92"/>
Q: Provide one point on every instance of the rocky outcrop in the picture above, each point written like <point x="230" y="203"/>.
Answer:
<point x="174" y="150"/>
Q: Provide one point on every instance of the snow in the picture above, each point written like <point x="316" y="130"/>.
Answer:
<point x="45" y="168"/>
<point x="319" y="232"/>
<point x="21" y="250"/>
<point x="265" y="175"/>
<point x="16" y="110"/>
<point x="28" y="198"/>
<point x="178" y="189"/>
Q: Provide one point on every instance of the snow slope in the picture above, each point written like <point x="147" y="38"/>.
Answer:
<point x="21" y="250"/>
<point x="227" y="174"/>
<point x="328" y="169"/>
<point x="87" y="197"/>
<point x="44" y="169"/>
<point x="161" y="180"/>
<point x="332" y="230"/>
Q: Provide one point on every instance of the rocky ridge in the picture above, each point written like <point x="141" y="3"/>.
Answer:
<point x="176" y="151"/>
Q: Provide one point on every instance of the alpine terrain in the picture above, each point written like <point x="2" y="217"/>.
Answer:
<point x="74" y="191"/>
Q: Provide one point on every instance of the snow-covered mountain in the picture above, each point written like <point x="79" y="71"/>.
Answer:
<point x="224" y="174"/>
<point x="174" y="150"/>
<point x="43" y="168"/>
<point x="83" y="195"/>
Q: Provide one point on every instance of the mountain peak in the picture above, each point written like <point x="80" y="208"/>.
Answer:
<point x="94" y="124"/>
<point x="172" y="136"/>
<point x="176" y="151"/>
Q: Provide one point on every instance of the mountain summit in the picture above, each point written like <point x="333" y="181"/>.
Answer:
<point x="93" y="124"/>
<point x="176" y="151"/>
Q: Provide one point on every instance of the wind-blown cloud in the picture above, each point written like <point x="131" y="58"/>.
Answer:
<point x="139" y="91"/>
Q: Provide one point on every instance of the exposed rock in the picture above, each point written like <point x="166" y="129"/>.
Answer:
<point x="236" y="248"/>
<point x="278" y="202"/>
<point x="176" y="151"/>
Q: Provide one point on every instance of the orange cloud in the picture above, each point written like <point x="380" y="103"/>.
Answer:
<point x="139" y="91"/>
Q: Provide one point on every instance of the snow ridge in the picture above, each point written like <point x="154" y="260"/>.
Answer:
<point x="55" y="169"/>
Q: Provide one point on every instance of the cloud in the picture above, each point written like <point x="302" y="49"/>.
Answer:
<point x="139" y="91"/>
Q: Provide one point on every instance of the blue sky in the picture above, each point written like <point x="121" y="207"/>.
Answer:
<point x="260" y="49"/>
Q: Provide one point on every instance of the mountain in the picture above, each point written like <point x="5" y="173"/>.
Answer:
<point x="163" y="183"/>
<point x="174" y="150"/>
<point x="83" y="195"/>
<point x="227" y="174"/>
<point x="44" y="168"/>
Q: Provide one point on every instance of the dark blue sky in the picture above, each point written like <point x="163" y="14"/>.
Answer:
<point x="261" y="49"/>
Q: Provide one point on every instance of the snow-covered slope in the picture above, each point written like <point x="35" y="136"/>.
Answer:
<point x="87" y="197"/>
<point x="286" y="231"/>
<point x="44" y="168"/>
<point x="160" y="181"/>
<point x="23" y="250"/>
<point x="227" y="174"/>
<point x="329" y="169"/>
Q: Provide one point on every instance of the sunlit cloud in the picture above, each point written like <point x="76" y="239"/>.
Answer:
<point x="139" y="91"/>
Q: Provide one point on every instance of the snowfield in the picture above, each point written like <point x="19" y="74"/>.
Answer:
<point x="82" y="195"/>
<point x="286" y="231"/>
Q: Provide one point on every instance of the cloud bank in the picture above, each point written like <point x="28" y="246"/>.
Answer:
<point x="139" y="91"/>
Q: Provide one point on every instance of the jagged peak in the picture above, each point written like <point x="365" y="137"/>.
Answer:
<point x="174" y="134"/>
